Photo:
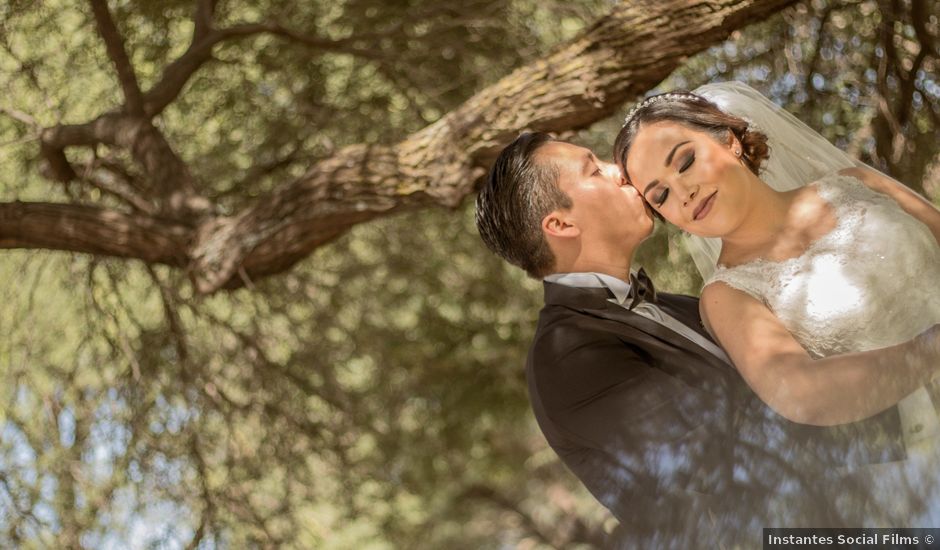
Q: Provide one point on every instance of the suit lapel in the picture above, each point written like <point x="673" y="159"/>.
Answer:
<point x="595" y="301"/>
<point x="621" y="314"/>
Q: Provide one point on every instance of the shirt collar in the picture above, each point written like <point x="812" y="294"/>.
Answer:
<point x="618" y="287"/>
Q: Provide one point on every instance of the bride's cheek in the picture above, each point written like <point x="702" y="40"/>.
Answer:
<point x="708" y="172"/>
<point x="719" y="172"/>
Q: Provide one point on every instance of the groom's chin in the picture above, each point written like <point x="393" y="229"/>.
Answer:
<point x="648" y="221"/>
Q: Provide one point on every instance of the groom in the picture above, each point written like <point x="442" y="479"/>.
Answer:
<point x="627" y="387"/>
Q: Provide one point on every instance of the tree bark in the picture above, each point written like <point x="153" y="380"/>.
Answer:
<point x="585" y="80"/>
<point x="81" y="228"/>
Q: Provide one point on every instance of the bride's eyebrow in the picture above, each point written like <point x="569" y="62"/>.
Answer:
<point x="671" y="154"/>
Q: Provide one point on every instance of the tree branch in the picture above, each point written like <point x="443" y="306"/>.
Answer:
<point x="178" y="73"/>
<point x="623" y="54"/>
<point x="174" y="323"/>
<point x="112" y="180"/>
<point x="817" y="51"/>
<point x="19" y="116"/>
<point x="886" y="128"/>
<point x="205" y="10"/>
<point x="585" y="80"/>
<point x="114" y="45"/>
<point x="344" y="45"/>
<point x="169" y="181"/>
<point x="80" y="228"/>
<point x="920" y="14"/>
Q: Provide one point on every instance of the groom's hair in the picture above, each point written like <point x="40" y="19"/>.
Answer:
<point x="521" y="190"/>
<point x="695" y="112"/>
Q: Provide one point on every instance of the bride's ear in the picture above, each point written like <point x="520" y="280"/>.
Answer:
<point x="734" y="144"/>
<point x="557" y="224"/>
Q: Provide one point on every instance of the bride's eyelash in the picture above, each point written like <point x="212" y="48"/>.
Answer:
<point x="687" y="162"/>
<point x="661" y="197"/>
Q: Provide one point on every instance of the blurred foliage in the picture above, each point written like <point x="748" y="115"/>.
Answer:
<point x="374" y="396"/>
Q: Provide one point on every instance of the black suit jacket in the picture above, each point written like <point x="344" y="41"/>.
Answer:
<point x="671" y="439"/>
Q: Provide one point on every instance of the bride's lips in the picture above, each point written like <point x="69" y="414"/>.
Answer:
<point x="704" y="207"/>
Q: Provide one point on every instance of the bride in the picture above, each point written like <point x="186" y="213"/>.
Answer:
<point x="805" y="261"/>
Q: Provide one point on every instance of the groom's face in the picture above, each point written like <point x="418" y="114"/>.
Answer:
<point x="604" y="207"/>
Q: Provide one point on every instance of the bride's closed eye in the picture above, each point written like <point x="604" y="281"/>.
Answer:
<point x="687" y="162"/>
<point x="662" y="194"/>
<point x="660" y="197"/>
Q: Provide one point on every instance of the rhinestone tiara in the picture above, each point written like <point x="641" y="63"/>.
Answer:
<point x="669" y="96"/>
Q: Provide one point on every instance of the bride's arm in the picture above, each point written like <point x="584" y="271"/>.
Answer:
<point x="912" y="203"/>
<point x="829" y="391"/>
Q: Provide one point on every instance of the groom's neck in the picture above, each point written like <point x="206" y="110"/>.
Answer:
<point x="619" y="268"/>
<point x="612" y="259"/>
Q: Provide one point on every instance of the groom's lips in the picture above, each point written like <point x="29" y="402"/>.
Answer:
<point x="704" y="207"/>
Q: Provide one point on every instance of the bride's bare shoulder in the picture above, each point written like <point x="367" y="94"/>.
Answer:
<point x="876" y="181"/>
<point x="721" y="296"/>
<point x="722" y="306"/>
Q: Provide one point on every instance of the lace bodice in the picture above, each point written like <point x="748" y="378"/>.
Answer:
<point x="870" y="282"/>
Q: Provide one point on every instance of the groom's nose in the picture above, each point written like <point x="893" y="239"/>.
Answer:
<point x="612" y="171"/>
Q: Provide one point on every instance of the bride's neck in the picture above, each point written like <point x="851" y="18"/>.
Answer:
<point x="766" y="219"/>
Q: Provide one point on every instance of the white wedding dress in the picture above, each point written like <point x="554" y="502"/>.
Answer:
<point x="871" y="282"/>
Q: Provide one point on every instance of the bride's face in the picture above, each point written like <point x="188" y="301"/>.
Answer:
<point x="696" y="181"/>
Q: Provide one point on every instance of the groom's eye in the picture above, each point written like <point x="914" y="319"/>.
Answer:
<point x="686" y="162"/>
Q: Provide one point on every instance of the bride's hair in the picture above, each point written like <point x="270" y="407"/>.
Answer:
<point x="697" y="113"/>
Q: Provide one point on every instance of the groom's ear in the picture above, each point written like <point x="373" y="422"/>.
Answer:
<point x="557" y="223"/>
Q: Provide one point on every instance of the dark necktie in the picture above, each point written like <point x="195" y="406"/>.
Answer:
<point x="641" y="289"/>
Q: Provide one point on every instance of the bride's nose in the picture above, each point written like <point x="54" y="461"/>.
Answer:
<point x="689" y="193"/>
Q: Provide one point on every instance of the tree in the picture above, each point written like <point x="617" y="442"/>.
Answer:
<point x="169" y="217"/>
<point x="373" y="395"/>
